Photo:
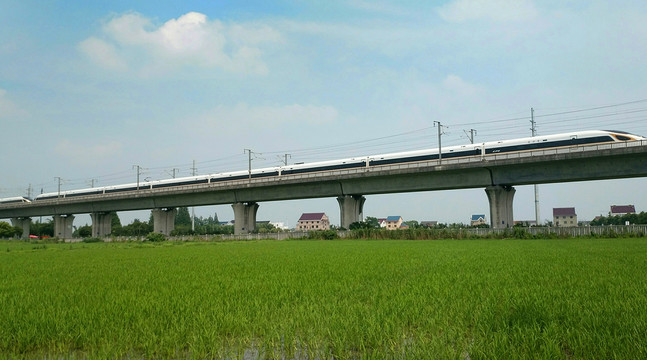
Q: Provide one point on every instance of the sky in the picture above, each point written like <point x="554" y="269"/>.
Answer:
<point x="89" y="90"/>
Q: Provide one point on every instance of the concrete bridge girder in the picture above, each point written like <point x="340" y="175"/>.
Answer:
<point x="496" y="170"/>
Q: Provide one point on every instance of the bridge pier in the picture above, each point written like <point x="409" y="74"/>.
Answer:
<point x="101" y="224"/>
<point x="500" y="198"/>
<point x="244" y="217"/>
<point x="63" y="226"/>
<point x="164" y="220"/>
<point x="24" y="223"/>
<point x="351" y="209"/>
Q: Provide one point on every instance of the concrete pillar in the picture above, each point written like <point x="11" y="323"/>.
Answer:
<point x="351" y="208"/>
<point x="24" y="223"/>
<point x="164" y="220"/>
<point x="101" y="224"/>
<point x="244" y="217"/>
<point x="500" y="198"/>
<point x="63" y="226"/>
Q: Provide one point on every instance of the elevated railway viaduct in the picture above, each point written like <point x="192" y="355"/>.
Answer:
<point x="498" y="174"/>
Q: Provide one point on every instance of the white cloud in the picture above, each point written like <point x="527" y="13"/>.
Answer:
<point x="102" y="53"/>
<point x="495" y="10"/>
<point x="84" y="154"/>
<point x="191" y="39"/>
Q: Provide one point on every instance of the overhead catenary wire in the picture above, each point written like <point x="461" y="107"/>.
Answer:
<point x="609" y="116"/>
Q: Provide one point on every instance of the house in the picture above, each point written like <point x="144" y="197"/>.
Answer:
<point x="313" y="221"/>
<point x="477" y="220"/>
<point x="393" y="222"/>
<point x="619" y="210"/>
<point x="428" y="224"/>
<point x="564" y="217"/>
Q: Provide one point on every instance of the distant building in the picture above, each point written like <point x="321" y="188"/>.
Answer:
<point x="393" y="222"/>
<point x="526" y="223"/>
<point x="477" y="220"/>
<point x="313" y="221"/>
<point x="279" y="225"/>
<point x="428" y="224"/>
<point x="619" y="210"/>
<point x="564" y="217"/>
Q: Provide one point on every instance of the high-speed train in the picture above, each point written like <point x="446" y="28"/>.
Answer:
<point x="472" y="150"/>
<point x="15" y="199"/>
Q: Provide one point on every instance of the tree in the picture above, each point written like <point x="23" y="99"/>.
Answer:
<point x="84" y="231"/>
<point x="369" y="223"/>
<point x="372" y="222"/>
<point x="137" y="228"/>
<point x="115" y="223"/>
<point x="8" y="231"/>
<point x="182" y="217"/>
<point x="263" y="228"/>
<point x="42" y="229"/>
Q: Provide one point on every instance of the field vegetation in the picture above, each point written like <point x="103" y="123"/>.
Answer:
<point x="342" y="299"/>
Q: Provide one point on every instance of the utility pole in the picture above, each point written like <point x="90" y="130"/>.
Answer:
<point x="440" y="131"/>
<point x="92" y="182"/>
<point x="173" y="172"/>
<point x="534" y="133"/>
<point x="285" y="161"/>
<point x="249" y="162"/>
<point x="193" y="172"/>
<point x="59" y="185"/>
<point x="471" y="135"/>
<point x="138" y="173"/>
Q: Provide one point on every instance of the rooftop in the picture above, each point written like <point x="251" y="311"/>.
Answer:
<point x="311" y="216"/>
<point x="623" y="209"/>
<point x="564" y="211"/>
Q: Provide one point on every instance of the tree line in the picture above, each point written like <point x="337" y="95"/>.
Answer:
<point x="640" y="218"/>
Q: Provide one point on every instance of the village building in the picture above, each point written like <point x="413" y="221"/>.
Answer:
<point x="564" y="217"/>
<point x="313" y="221"/>
<point x="477" y="220"/>
<point x="393" y="222"/>
<point x="619" y="210"/>
<point x="428" y="224"/>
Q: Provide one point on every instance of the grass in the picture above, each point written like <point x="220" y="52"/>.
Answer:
<point x="476" y="299"/>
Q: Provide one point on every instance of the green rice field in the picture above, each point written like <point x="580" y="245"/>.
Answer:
<point x="340" y="299"/>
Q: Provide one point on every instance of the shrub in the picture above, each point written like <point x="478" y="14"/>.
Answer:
<point x="155" y="237"/>
<point x="92" y="240"/>
<point x="324" y="234"/>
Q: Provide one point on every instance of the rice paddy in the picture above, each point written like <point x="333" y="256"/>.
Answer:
<point x="341" y="299"/>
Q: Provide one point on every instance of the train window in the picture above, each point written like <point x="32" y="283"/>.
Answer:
<point x="622" y="138"/>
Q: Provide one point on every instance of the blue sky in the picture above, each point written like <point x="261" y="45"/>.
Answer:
<point x="89" y="89"/>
